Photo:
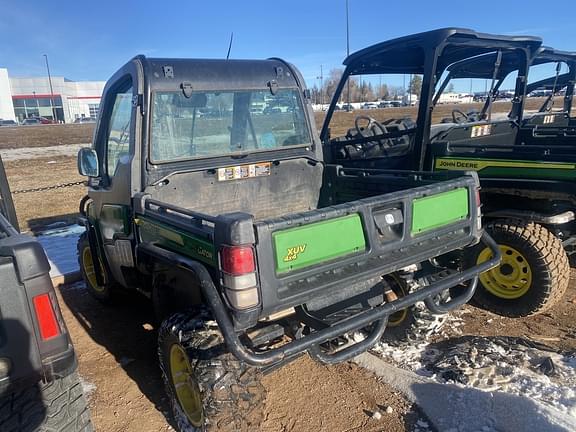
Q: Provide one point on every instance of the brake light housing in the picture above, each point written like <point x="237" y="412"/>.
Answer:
<point x="238" y="265"/>
<point x="238" y="260"/>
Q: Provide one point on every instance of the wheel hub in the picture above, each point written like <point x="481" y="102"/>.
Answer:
<point x="506" y="269"/>
<point x="185" y="386"/>
<point x="89" y="269"/>
<point x="400" y="290"/>
<point x="512" y="279"/>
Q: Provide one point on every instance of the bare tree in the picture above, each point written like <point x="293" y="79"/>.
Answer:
<point x="415" y="86"/>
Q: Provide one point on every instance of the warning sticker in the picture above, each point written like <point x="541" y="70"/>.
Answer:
<point x="239" y="172"/>
<point x="479" y="131"/>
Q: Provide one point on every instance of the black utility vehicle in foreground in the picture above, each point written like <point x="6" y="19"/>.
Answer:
<point x="526" y="166"/>
<point x="209" y="192"/>
<point x="39" y="387"/>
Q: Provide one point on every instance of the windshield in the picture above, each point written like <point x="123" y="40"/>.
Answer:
<point x="209" y="124"/>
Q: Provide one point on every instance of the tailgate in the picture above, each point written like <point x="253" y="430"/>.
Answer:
<point x="355" y="242"/>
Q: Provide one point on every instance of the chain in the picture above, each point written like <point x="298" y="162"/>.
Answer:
<point x="46" y="188"/>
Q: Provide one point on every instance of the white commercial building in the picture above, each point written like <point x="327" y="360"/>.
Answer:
<point x="68" y="100"/>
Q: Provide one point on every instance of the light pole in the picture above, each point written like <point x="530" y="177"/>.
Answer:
<point x="35" y="102"/>
<point x="347" y="54"/>
<point x="321" y="78"/>
<point x="54" y="115"/>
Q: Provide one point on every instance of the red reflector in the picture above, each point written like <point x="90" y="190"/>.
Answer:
<point x="478" y="200"/>
<point x="46" y="317"/>
<point x="238" y="260"/>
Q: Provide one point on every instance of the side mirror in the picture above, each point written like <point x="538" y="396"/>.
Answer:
<point x="88" y="163"/>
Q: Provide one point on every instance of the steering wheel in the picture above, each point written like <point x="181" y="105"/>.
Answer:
<point x="458" y="116"/>
<point x="371" y="126"/>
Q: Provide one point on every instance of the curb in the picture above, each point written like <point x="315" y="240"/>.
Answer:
<point x="466" y="409"/>
<point x="66" y="278"/>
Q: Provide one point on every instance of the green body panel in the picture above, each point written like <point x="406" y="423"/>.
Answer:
<point x="508" y="168"/>
<point x="177" y="241"/>
<point x="438" y="210"/>
<point x="304" y="246"/>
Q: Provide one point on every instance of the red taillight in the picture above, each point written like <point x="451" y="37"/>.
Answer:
<point x="238" y="260"/>
<point x="46" y="317"/>
<point x="478" y="200"/>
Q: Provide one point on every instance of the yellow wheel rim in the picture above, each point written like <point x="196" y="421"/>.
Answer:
<point x="400" y="290"/>
<point x="89" y="270"/>
<point x="187" y="390"/>
<point x="511" y="279"/>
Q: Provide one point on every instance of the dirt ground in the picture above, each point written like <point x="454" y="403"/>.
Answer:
<point x="45" y="135"/>
<point x="116" y="347"/>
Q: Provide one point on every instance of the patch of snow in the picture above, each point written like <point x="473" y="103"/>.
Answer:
<point x="60" y="242"/>
<point x="509" y="365"/>
<point x="87" y="387"/>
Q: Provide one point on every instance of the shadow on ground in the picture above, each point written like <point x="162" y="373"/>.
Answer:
<point x="468" y="410"/>
<point x="40" y="224"/>
<point x="124" y="329"/>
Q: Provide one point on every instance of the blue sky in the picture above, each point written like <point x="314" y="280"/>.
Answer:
<point x="89" y="40"/>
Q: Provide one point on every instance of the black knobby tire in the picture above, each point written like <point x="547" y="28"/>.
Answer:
<point x="231" y="392"/>
<point x="104" y="293"/>
<point x="547" y="262"/>
<point x="416" y="323"/>
<point x="58" y="406"/>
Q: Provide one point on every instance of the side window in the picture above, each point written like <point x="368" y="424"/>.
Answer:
<point x="118" y="138"/>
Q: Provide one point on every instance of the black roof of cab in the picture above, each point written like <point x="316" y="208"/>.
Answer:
<point x="407" y="54"/>
<point x="483" y="66"/>
<point x="168" y="74"/>
<point x="549" y="54"/>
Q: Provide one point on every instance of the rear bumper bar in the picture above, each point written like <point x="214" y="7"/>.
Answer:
<point x="377" y="317"/>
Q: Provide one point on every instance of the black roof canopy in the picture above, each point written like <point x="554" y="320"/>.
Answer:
<point x="407" y="54"/>
<point x="483" y="66"/>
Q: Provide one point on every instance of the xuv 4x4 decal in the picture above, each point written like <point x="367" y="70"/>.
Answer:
<point x="293" y="252"/>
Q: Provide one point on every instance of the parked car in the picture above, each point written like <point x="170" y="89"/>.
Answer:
<point x="36" y="121"/>
<point x="8" y="123"/>
<point x="31" y="121"/>
<point x="85" y="120"/>
<point x="370" y="105"/>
